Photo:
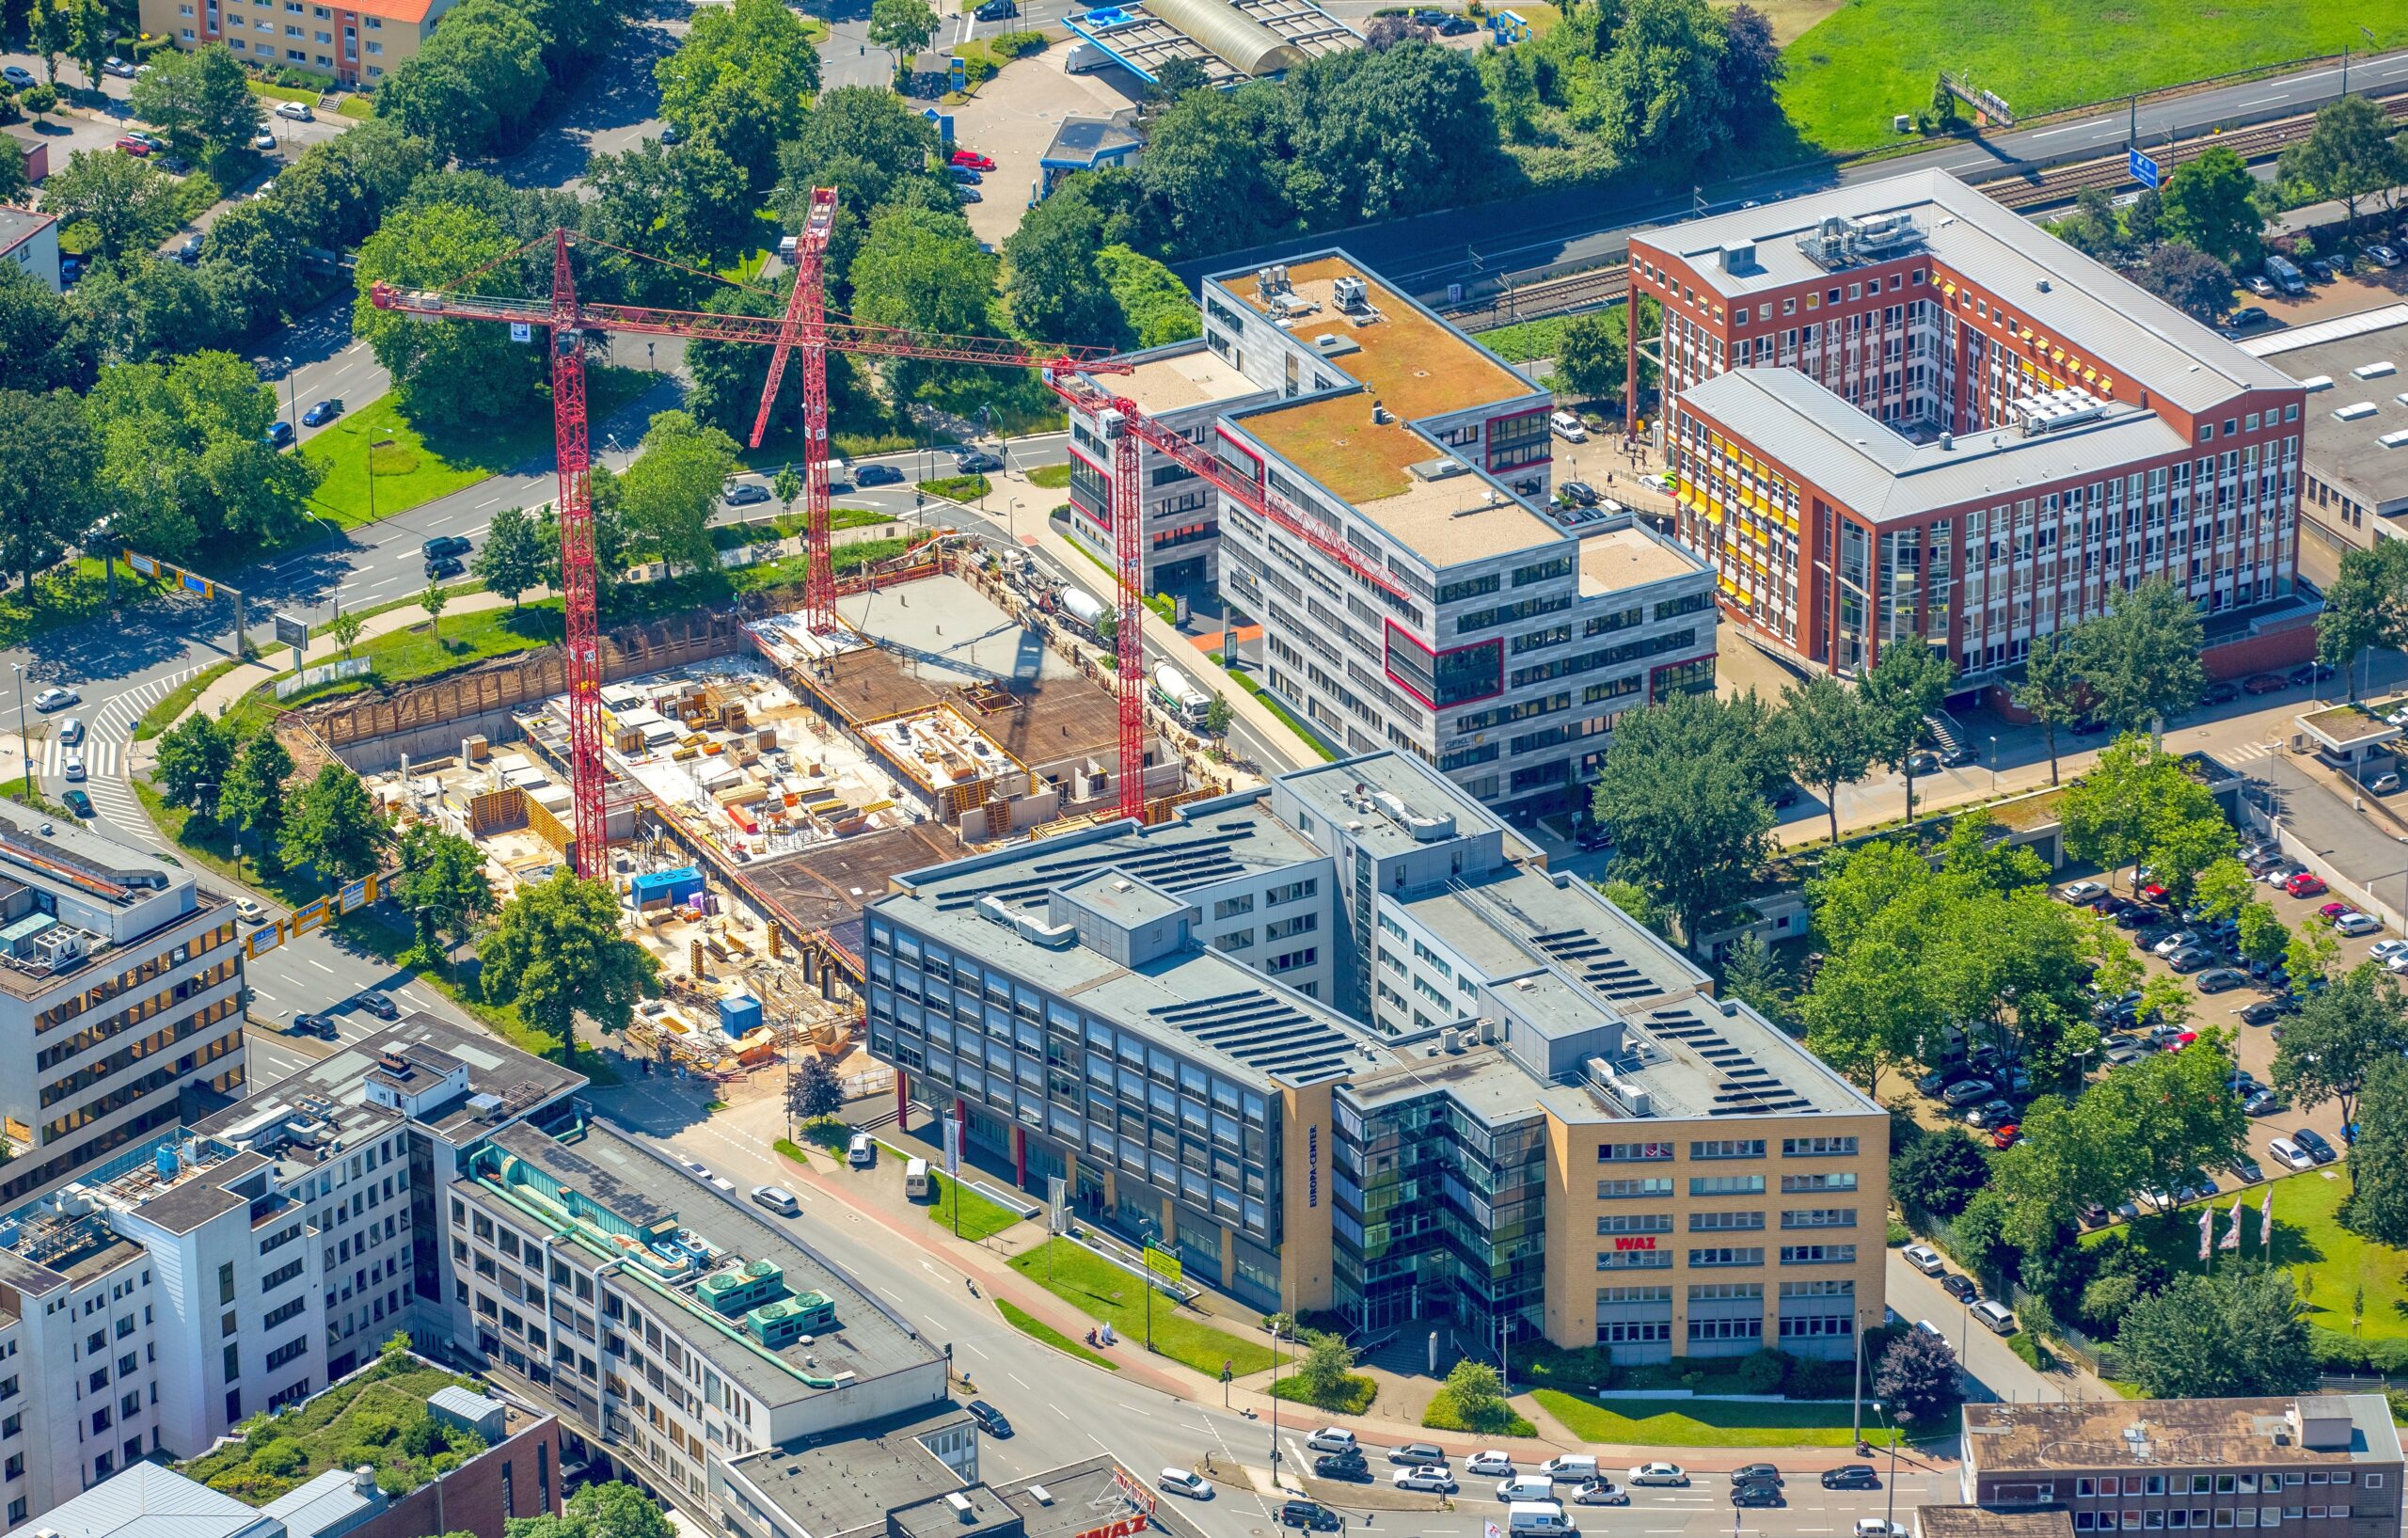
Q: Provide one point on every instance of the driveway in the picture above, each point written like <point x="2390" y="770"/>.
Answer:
<point x="1013" y="117"/>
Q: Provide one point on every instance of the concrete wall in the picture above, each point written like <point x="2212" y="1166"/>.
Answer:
<point x="469" y="1499"/>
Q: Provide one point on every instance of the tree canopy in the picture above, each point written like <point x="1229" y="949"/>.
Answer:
<point x="2240" y="1331"/>
<point x="448" y="372"/>
<point x="1683" y="787"/>
<point x="184" y="456"/>
<point x="556" y="951"/>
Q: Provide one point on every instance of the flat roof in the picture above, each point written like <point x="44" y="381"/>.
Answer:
<point x="18" y="226"/>
<point x="1881" y="475"/>
<point x="2054" y="288"/>
<point x="1412" y="362"/>
<point x="519" y="1081"/>
<point x="845" y="1481"/>
<point x="1981" y="1522"/>
<point x="1175" y="378"/>
<point x="1329" y="792"/>
<point x="151" y="1501"/>
<point x="2350" y="450"/>
<point x="2177" y="1432"/>
<point x="1630" y="557"/>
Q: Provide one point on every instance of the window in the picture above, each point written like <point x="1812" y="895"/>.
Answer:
<point x="226" y="1282"/>
<point x="1625" y="1152"/>
<point x="1728" y="1185"/>
<point x="1728" y="1147"/>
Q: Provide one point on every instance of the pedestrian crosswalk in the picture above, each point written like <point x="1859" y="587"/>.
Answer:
<point x="106" y="750"/>
<point x="2247" y="753"/>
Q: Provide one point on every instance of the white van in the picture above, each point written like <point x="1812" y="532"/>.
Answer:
<point x="915" y="1178"/>
<point x="1537" y="1519"/>
<point x="1524" y="1487"/>
<point x="1569" y="427"/>
<point x="862" y="1152"/>
<point x="1086" y="58"/>
<point x="1570" y="1467"/>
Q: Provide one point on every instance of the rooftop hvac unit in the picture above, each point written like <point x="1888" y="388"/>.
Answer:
<point x="1351" y="292"/>
<point x="59" y="948"/>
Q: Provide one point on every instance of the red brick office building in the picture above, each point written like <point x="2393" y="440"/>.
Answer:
<point x="1900" y="410"/>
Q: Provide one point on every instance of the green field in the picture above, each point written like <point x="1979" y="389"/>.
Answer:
<point x="1037" y="1329"/>
<point x="162" y="715"/>
<point x="980" y="1218"/>
<point x="1104" y="1291"/>
<point x="2327" y="1261"/>
<point x="1354" y="1397"/>
<point x="1848" y="74"/>
<point x="1705" y="1422"/>
<point x="1443" y="1416"/>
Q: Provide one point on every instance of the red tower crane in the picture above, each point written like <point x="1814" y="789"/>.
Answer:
<point x="803" y="326"/>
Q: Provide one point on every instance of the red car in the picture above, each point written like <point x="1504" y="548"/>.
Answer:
<point x="2332" y="911"/>
<point x="2306" y="883"/>
<point x="2153" y="893"/>
<point x="972" y="159"/>
<point x="2004" y="1136"/>
<point x="2265" y="683"/>
<point x="133" y="146"/>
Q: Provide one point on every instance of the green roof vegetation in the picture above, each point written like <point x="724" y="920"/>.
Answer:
<point x="377" y="1417"/>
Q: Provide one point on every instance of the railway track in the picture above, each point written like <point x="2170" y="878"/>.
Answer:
<point x="1598" y="287"/>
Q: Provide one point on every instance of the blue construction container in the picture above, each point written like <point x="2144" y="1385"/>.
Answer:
<point x="740" y="1016"/>
<point x="672" y="886"/>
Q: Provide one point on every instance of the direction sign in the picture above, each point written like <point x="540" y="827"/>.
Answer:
<point x="2144" y="170"/>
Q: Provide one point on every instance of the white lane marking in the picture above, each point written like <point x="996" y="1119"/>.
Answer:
<point x="1018" y="1379"/>
<point x="972" y="1350"/>
<point x="2261" y="101"/>
<point x="2070" y="127"/>
<point x="320" y="965"/>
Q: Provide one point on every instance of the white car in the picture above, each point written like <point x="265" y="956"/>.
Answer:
<point x="1331" y="1439"/>
<point x="2354" y="924"/>
<point x="2179" y="940"/>
<point x="1185" y="1482"/>
<point x="70" y="730"/>
<point x="2291" y="1154"/>
<point x="297" y="111"/>
<point x="1427" y="1477"/>
<point x="118" y="67"/>
<point x="57" y="698"/>
<point x="249" y="912"/>
<point x="1568" y="427"/>
<point x="71" y="765"/>
<point x="1491" y="1462"/>
<point x="2384" y="950"/>
<point x="2082" y="891"/>
<point x="1659" y="1473"/>
<point x="2383" y="256"/>
<point x="1873" y="1527"/>
<point x="1924" y="1259"/>
<point x="264" y="139"/>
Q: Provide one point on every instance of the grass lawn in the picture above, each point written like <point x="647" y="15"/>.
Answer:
<point x="1037" y="1329"/>
<point x="1311" y="738"/>
<point x="358" y="1422"/>
<point x="2328" y="1263"/>
<point x="1526" y="340"/>
<point x="62" y="595"/>
<point x="162" y="715"/>
<point x="420" y="465"/>
<point x="284" y="93"/>
<point x="1104" y="1290"/>
<point x="1850" y="72"/>
<point x="957" y="488"/>
<point x="1052" y="477"/>
<point x="1354" y="1395"/>
<point x="1443" y="1416"/>
<point x="356" y="106"/>
<point x="981" y="1218"/>
<point x="1705" y="1422"/>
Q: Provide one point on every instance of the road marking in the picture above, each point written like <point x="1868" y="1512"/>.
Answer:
<point x="262" y="993"/>
<point x="976" y="1352"/>
<point x="2070" y="127"/>
<point x="320" y="965"/>
<point x="2262" y="102"/>
<point x="1063" y="1413"/>
<point x="1018" y="1379"/>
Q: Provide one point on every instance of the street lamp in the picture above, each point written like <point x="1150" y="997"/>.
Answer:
<point x="380" y="443"/>
<point x="24" y="742"/>
<point x="292" y="396"/>
<point x="1994" y="765"/>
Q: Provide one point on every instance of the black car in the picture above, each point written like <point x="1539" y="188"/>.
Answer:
<point x="1755" y="1495"/>
<point x="2263" y="1012"/>
<point x="77" y="803"/>
<point x="2309" y="673"/>
<point x="989" y="1418"/>
<point x="1311" y="1516"/>
<point x="315" y="1025"/>
<point x="2223" y="691"/>
<point x="1851" y="1476"/>
<point x="2088" y="728"/>
<point x="443" y="545"/>
<point x="746" y="493"/>
<point x="976" y="462"/>
<point x="1757" y="1474"/>
<point x="1350" y="1467"/>
<point x="377" y="1004"/>
<point x="1959" y="1288"/>
<point x="2318" y="1148"/>
<point x="877" y="475"/>
<point x="996" y="10"/>
<point x="449" y="565"/>
<point x="1455" y="26"/>
<point x="1578" y="491"/>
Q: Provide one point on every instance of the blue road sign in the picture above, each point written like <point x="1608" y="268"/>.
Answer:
<point x="2144" y="170"/>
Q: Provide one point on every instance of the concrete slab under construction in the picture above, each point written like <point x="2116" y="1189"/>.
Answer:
<point x="824" y="888"/>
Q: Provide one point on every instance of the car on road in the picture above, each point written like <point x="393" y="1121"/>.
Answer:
<point x="1350" y="1467"/>
<point x="1924" y="1259"/>
<point x="1967" y="1092"/>
<point x="1311" y="1516"/>
<point x="2264" y="683"/>
<point x="313" y="1025"/>
<point x="1490" y="1461"/>
<point x="976" y="462"/>
<point x="2289" y="1154"/>
<point x="777" y="1198"/>
<point x="1185" y="1482"/>
<point x="77" y="803"/>
<point x="1332" y="1439"/>
<point x="70" y="730"/>
<point x="1757" y="1494"/>
<point x="322" y="412"/>
<point x="1659" y="1473"/>
<point x="989" y="1418"/>
<point x="1959" y="1288"/>
<point x="1755" y="1474"/>
<point x="1851" y="1476"/>
<point x="56" y="697"/>
<point x="375" y="1002"/>
<point x="1997" y="1317"/>
<point x="71" y="764"/>
<point x="1600" y="1492"/>
<point x="996" y="10"/>
<point x="1415" y="1453"/>
<point x="443" y="545"/>
<point x="296" y="112"/>
<point x="2313" y="1141"/>
<point x="2356" y="924"/>
<point x="442" y="566"/>
<point x="2081" y="893"/>
<point x="1428" y="1477"/>
<point x="746" y="494"/>
<point x="280" y="434"/>
<point x="1876" y="1526"/>
<point x="972" y="159"/>
<point x="877" y="475"/>
<point x="2303" y="884"/>
<point x="249" y="911"/>
<point x="122" y="70"/>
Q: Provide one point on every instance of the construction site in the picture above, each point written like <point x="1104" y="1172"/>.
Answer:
<point x="757" y="797"/>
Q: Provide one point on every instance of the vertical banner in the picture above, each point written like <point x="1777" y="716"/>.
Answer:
<point x="952" y="1145"/>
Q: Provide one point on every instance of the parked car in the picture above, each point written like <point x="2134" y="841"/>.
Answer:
<point x="1967" y="1092"/>
<point x="2222" y="980"/>
<point x="746" y="494"/>
<point x="2261" y="1101"/>
<point x="2191" y="958"/>
<point x="1491" y="1462"/>
<point x="322" y="412"/>
<point x="2223" y="691"/>
<point x="18" y="77"/>
<point x="2289" y="1154"/>
<point x="2304" y="883"/>
<point x="1851" y="1476"/>
<point x="2083" y="893"/>
<point x="2383" y="256"/>
<point x="2260" y="286"/>
<point x="968" y="176"/>
<point x="1959" y="1288"/>
<point x="2245" y="1169"/>
<point x="2263" y="683"/>
<point x="2261" y="1012"/>
<point x="777" y="1199"/>
<point x="2313" y="1141"/>
<point x="1414" y="1454"/>
<point x="2356" y="924"/>
<point x="1926" y="1260"/>
<point x="2179" y="940"/>
<point x="122" y="70"/>
<point x="1995" y="1317"/>
<point x="2311" y="672"/>
<point x="989" y="1418"/>
<point x="134" y="146"/>
<point x="1428" y="1477"/>
<point x="1989" y="1114"/>
<point x="1569" y="427"/>
<point x="972" y="159"/>
<point x="297" y="112"/>
<point x="1659" y="1473"/>
<point x="2320" y="270"/>
<point x="1578" y="491"/>
<point x="379" y="1005"/>
<point x="264" y="139"/>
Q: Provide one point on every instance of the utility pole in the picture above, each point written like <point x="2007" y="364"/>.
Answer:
<point x="1856" y="1414"/>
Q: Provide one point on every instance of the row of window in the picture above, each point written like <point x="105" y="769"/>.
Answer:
<point x="2199" y="1517"/>
<point x="1724" y="1185"/>
<point x="1722" y="1147"/>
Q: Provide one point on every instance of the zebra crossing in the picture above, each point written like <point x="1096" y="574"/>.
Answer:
<point x="107" y="746"/>
<point x="2248" y="752"/>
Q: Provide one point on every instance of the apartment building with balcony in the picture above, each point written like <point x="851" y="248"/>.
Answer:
<point x="2317" y="1466"/>
<point x="1411" y="594"/>
<point x="120" y="993"/>
<point x="1897" y="410"/>
<point x="355" y="44"/>
<point x="1345" y="1042"/>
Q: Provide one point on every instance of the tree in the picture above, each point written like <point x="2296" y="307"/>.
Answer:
<point x="1478" y="1392"/>
<point x="1827" y="736"/>
<point x="1589" y="363"/>
<point x="902" y="28"/>
<point x="1686" y="804"/>
<point x="1752" y="974"/>
<point x="2053" y="689"/>
<point x="2351" y="153"/>
<point x="2238" y="1332"/>
<point x="1180" y="76"/>
<point x="442" y="876"/>
<point x="2366" y="606"/>
<point x="2140" y="805"/>
<point x="2191" y="280"/>
<point x="1917" y="1380"/>
<point x="449" y="372"/>
<point x="617" y="1510"/>
<point x="750" y="63"/>
<point x="345" y="625"/>
<point x="1906" y="686"/>
<point x="1661" y="95"/>
<point x="813" y="1090"/>
<point x="130" y="203"/>
<point x="690" y="204"/>
<point x="2210" y="203"/>
<point x="1219" y="715"/>
<point x="668" y="494"/>
<point x="49" y="469"/>
<point x="1329" y="1361"/>
<point x="2338" y="1036"/>
<point x="557" y="951"/>
<point x="434" y="601"/>
<point x="921" y="270"/>
<point x="142" y="307"/>
<point x="200" y="100"/>
<point x="1053" y="284"/>
<point x="14" y="186"/>
<point x="336" y="829"/>
<point x="510" y="561"/>
<point x="2140" y="659"/>
<point x="2093" y="227"/>
<point x="42" y="346"/>
<point x="251" y="794"/>
<point x="474" y="85"/>
<point x="193" y="761"/>
<point x="2379" y="1156"/>
<point x="1939" y="1173"/>
<point x="184" y="457"/>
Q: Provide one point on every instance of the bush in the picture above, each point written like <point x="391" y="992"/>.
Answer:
<point x="1582" y="1368"/>
<point x="277" y="1459"/>
<point x="1014" y="44"/>
<point x="1761" y="1373"/>
<point x="1899" y="1235"/>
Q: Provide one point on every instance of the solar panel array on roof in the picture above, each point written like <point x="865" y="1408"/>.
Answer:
<point x="1598" y="966"/>
<point x="1747" y="1088"/>
<point x="1262" y="1032"/>
<point x="1173" y="864"/>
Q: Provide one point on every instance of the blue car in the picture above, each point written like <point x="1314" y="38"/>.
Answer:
<point x="324" y="411"/>
<point x="280" y="434"/>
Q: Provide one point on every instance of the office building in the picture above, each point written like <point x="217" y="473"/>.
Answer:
<point x="1344" y="1043"/>
<point x="1897" y="410"/>
<point x="2355" y="489"/>
<point x="1411" y="596"/>
<point x="355" y="44"/>
<point x="121" y="996"/>
<point x="2317" y="1466"/>
<point x="917" y="1477"/>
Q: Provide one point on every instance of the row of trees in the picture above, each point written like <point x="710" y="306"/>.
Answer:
<point x="2130" y="667"/>
<point x="1665" y="84"/>
<point x="481" y="83"/>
